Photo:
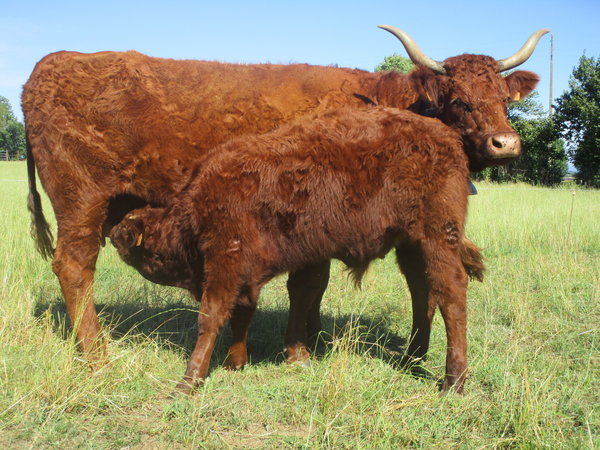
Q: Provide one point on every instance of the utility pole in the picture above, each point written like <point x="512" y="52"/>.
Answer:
<point x="551" y="72"/>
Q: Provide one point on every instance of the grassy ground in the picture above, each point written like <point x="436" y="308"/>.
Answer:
<point x="533" y="348"/>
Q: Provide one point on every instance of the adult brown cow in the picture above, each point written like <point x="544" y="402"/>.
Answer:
<point x="350" y="185"/>
<point x="110" y="132"/>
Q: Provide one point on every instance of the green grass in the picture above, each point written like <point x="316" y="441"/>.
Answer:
<point x="533" y="349"/>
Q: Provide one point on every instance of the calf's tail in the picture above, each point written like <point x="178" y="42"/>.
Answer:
<point x="40" y="229"/>
<point x="472" y="260"/>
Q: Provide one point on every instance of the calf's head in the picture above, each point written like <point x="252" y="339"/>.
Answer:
<point x="128" y="234"/>
<point x="137" y="234"/>
<point x="468" y="93"/>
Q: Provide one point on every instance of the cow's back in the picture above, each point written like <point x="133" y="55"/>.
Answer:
<point x="136" y="123"/>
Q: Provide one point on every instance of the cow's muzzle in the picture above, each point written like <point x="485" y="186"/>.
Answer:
<point x="503" y="146"/>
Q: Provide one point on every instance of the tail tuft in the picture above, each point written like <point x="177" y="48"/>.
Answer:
<point x="357" y="273"/>
<point x="472" y="260"/>
<point x="40" y="229"/>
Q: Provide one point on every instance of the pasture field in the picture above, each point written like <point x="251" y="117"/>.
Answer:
<point x="533" y="349"/>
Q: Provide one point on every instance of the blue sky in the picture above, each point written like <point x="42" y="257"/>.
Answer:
<point x="316" y="32"/>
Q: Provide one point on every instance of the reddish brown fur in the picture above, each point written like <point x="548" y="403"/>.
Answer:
<point x="349" y="185"/>
<point x="110" y="132"/>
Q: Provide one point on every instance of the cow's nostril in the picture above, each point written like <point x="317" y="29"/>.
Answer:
<point x="503" y="145"/>
<point x="497" y="143"/>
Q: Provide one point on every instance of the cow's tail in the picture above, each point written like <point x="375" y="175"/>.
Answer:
<point x="40" y="229"/>
<point x="472" y="260"/>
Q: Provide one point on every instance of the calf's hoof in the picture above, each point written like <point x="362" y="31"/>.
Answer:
<point x="298" y="355"/>
<point x="304" y="363"/>
<point x="187" y="384"/>
<point x="95" y="354"/>
<point x="183" y="388"/>
<point x="232" y="363"/>
<point x="453" y="384"/>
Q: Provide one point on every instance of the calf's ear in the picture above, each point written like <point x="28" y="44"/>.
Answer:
<point x="521" y="83"/>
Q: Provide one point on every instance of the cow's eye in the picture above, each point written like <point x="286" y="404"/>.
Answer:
<point x="458" y="103"/>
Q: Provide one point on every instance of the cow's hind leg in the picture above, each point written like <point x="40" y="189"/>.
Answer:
<point x="305" y="288"/>
<point x="74" y="263"/>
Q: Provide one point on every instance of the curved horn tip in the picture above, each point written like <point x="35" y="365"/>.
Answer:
<point x="413" y="50"/>
<point x="524" y="52"/>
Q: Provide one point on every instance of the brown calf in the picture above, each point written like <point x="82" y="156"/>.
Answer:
<point x="350" y="185"/>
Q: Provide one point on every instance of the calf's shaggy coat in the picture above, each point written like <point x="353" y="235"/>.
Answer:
<point x="351" y="185"/>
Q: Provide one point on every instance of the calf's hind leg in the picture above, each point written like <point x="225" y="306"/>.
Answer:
<point x="412" y="264"/>
<point x="305" y="287"/>
<point x="242" y="313"/>
<point x="448" y="288"/>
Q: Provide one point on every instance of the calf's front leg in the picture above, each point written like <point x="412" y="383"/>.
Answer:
<point x="215" y="308"/>
<point x="448" y="281"/>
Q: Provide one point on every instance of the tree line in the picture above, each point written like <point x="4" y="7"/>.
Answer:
<point x="572" y="133"/>
<point x="12" y="132"/>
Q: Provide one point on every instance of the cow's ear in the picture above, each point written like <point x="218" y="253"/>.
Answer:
<point x="428" y="86"/>
<point x="521" y="83"/>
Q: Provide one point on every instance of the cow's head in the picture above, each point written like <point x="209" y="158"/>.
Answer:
<point x="468" y="92"/>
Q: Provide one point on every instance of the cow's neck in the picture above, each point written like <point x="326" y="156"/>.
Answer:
<point x="394" y="89"/>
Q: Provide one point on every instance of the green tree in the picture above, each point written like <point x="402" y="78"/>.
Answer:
<point x="578" y="116"/>
<point x="527" y="108"/>
<point x="12" y="132"/>
<point x="544" y="160"/>
<point x="395" y="62"/>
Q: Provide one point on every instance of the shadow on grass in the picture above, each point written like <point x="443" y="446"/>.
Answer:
<point x="174" y="327"/>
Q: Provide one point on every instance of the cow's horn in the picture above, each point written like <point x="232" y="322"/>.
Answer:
<point x="413" y="50"/>
<point x="524" y="52"/>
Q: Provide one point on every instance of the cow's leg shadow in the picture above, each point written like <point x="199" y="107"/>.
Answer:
<point x="171" y="325"/>
<point x="174" y="326"/>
